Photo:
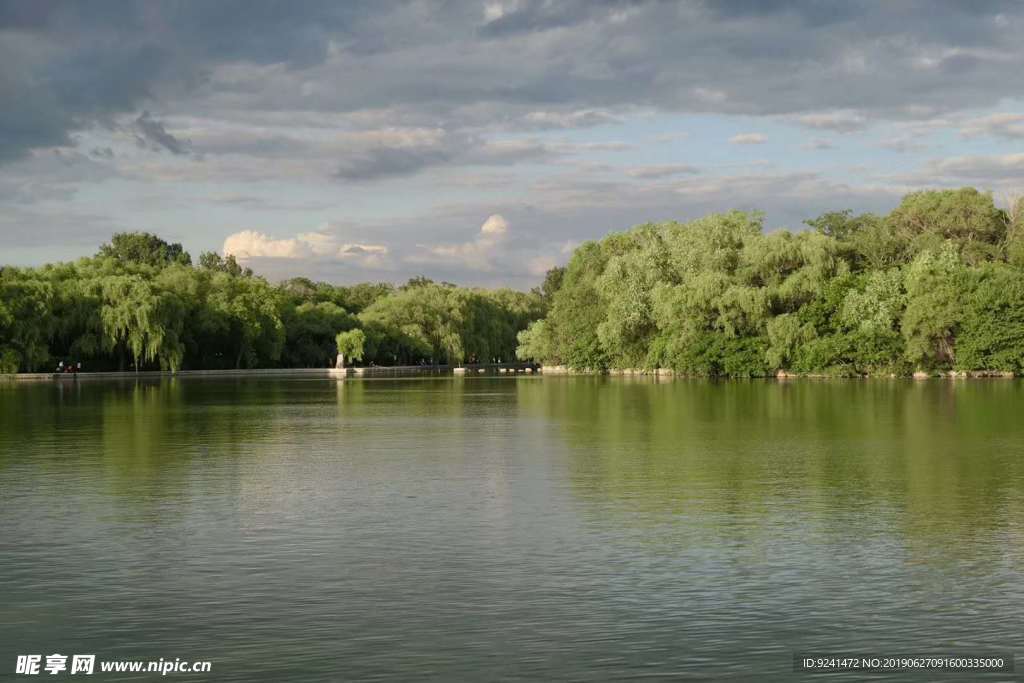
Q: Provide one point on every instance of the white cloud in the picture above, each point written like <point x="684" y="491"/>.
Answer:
<point x="748" y="139"/>
<point x="935" y="58"/>
<point x="985" y="167"/>
<point x="999" y="173"/>
<point x="709" y="95"/>
<point x="318" y="243"/>
<point x="494" y="225"/>
<point x="661" y="171"/>
<point x="475" y="255"/>
<point x="998" y="125"/>
<point x="664" y="138"/>
<point x="356" y="249"/>
<point x="583" y="118"/>
<point x="840" y="121"/>
<point x="818" y="144"/>
<point x="903" y="144"/>
<point x="367" y="255"/>
<point x="539" y="265"/>
<point x="249" y="244"/>
<point x="493" y="11"/>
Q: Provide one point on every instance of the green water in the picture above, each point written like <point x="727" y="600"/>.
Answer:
<point x="509" y="529"/>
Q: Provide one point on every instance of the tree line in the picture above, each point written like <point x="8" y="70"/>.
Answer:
<point x="140" y="303"/>
<point x="937" y="284"/>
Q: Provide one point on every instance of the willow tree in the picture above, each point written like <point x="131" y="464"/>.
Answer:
<point x="350" y="345"/>
<point x="934" y="283"/>
<point x="991" y="330"/>
<point x="859" y="293"/>
<point x="249" y="308"/>
<point x="534" y="343"/>
<point x="26" y="320"/>
<point x="427" y="318"/>
<point x="310" y="330"/>
<point x="966" y="218"/>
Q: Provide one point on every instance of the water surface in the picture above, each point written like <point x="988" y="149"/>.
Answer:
<point x="509" y="528"/>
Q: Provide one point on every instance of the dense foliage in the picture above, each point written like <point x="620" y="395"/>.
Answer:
<point x="938" y="284"/>
<point x="140" y="303"/>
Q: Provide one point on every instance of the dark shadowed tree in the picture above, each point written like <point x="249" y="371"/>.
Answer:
<point x="211" y="260"/>
<point x="145" y="249"/>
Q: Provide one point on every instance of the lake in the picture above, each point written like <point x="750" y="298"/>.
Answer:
<point x="519" y="528"/>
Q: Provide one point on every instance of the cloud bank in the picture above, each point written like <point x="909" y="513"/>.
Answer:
<point x="230" y="125"/>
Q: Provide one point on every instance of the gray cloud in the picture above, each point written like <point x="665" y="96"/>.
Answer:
<point x="838" y="121"/>
<point x="582" y="208"/>
<point x="382" y="162"/>
<point x="49" y="176"/>
<point x="69" y="65"/>
<point x="1001" y="174"/>
<point x="818" y="144"/>
<point x="45" y="235"/>
<point x="585" y="118"/>
<point x="988" y="168"/>
<point x="662" y="171"/>
<point x="151" y="133"/>
<point x="1004" y="125"/>
<point x="396" y="156"/>
<point x="544" y="15"/>
<point x="903" y="144"/>
<point x="298" y="107"/>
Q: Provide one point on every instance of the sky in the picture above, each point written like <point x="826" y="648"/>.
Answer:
<point x="480" y="142"/>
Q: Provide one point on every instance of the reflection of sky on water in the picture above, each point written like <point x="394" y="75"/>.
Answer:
<point x="539" y="527"/>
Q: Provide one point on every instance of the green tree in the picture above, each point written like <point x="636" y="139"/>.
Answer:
<point x="552" y="283"/>
<point x="533" y="342"/>
<point x="991" y="331"/>
<point x="840" y="225"/>
<point x="576" y="311"/>
<point x="26" y="319"/>
<point x="1015" y="232"/>
<point x="246" y="311"/>
<point x="934" y="284"/>
<point x="211" y="260"/>
<point x="144" y="248"/>
<point x="310" y="330"/>
<point x="139" y="320"/>
<point x="358" y="298"/>
<point x="350" y="345"/>
<point x="427" y="318"/>
<point x="966" y="218"/>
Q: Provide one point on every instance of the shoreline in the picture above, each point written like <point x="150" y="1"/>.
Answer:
<point x="782" y="375"/>
<point x="473" y="370"/>
<point x="324" y="373"/>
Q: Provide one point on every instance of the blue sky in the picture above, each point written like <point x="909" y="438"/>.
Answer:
<point x="479" y="142"/>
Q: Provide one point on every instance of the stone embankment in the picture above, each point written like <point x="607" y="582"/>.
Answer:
<point x="781" y="374"/>
<point x="327" y="373"/>
<point x="157" y="374"/>
<point x="421" y="370"/>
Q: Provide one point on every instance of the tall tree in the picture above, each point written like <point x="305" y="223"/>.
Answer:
<point x="144" y="248"/>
